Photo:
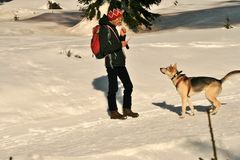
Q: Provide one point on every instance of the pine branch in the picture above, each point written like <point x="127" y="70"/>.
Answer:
<point x="136" y="13"/>
<point x="148" y="3"/>
<point x="85" y="2"/>
<point x="212" y="136"/>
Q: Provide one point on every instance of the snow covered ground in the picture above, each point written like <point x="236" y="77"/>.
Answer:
<point x="53" y="107"/>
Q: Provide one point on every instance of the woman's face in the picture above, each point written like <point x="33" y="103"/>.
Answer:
<point x="118" y="21"/>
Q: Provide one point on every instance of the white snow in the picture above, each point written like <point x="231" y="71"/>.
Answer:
<point x="53" y="107"/>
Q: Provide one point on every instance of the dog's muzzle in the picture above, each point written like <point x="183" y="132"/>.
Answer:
<point x="161" y="70"/>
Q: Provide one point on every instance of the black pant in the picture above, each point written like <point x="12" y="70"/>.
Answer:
<point x="122" y="73"/>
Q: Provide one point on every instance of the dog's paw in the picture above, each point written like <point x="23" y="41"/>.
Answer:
<point x="192" y="114"/>
<point x="210" y="110"/>
<point x="182" y="116"/>
<point x="214" y="112"/>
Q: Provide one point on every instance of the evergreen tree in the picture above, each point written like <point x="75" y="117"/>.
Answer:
<point x="2" y="1"/>
<point x="53" y="5"/>
<point x="136" y="12"/>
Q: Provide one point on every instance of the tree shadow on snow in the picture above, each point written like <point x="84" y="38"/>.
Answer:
<point x="206" y="146"/>
<point x="101" y="84"/>
<point x="178" y="109"/>
<point x="68" y="19"/>
<point x="200" y="19"/>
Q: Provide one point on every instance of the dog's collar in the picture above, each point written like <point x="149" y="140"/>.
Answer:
<point x="178" y="72"/>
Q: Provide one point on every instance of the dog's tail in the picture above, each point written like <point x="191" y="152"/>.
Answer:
<point x="230" y="74"/>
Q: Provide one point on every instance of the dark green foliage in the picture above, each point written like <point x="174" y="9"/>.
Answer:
<point x="227" y="24"/>
<point x="93" y="8"/>
<point x="69" y="53"/>
<point x="176" y="3"/>
<point x="16" y="18"/>
<point x="2" y="1"/>
<point x="53" y="5"/>
<point x="136" y="12"/>
<point x="77" y="56"/>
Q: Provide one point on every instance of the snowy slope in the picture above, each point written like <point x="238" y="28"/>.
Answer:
<point x="53" y="107"/>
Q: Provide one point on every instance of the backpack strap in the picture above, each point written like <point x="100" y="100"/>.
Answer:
<point x="113" y="31"/>
<point x="109" y="36"/>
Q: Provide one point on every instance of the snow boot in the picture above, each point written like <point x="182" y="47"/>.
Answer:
<point x="130" y="113"/>
<point x="117" y="115"/>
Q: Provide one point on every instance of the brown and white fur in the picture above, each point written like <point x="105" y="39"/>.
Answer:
<point x="188" y="86"/>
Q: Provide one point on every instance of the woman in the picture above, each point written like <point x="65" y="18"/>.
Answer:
<point x="111" y="45"/>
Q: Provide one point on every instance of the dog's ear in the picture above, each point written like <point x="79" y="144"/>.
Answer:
<point x="175" y="65"/>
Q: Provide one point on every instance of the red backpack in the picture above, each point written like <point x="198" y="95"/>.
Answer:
<point x="95" y="42"/>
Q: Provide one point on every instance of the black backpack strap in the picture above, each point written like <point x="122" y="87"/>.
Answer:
<point x="113" y="32"/>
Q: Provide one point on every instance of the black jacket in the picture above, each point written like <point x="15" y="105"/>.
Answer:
<point x="111" y="45"/>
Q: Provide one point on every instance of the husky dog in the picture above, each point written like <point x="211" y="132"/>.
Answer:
<point x="187" y="86"/>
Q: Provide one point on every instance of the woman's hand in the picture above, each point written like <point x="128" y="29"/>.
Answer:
<point x="124" y="43"/>
<point x="123" y="31"/>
